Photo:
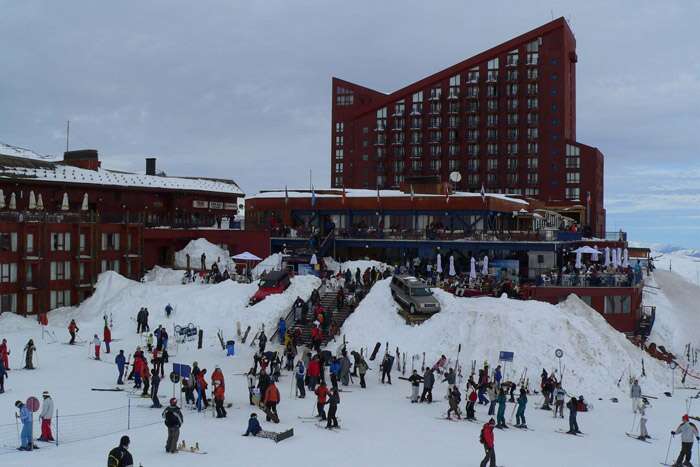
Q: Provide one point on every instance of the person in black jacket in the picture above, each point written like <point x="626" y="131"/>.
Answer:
<point x="120" y="456"/>
<point x="428" y="383"/>
<point x="415" y="380"/>
<point x="333" y="401"/>
<point x="155" y="382"/>
<point x="173" y="420"/>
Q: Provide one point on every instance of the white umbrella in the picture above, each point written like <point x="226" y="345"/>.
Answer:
<point x="485" y="266"/>
<point x="13" y="201"/>
<point x="619" y="257"/>
<point x="279" y="262"/>
<point x="32" y="200"/>
<point x="439" y="264"/>
<point x="606" y="260"/>
<point x="40" y="203"/>
<point x="2" y="199"/>
<point x="452" y="266"/>
<point x="594" y="256"/>
<point x="625" y="259"/>
<point x="84" y="206"/>
<point x="246" y="256"/>
<point x="578" y="260"/>
<point x="64" y="205"/>
<point x="313" y="261"/>
<point x="613" y="257"/>
<point x="472" y="268"/>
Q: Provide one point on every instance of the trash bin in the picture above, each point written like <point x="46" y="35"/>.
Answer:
<point x="230" y="348"/>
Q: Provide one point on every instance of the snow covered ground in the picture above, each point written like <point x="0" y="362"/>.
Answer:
<point x="213" y="253"/>
<point x="380" y="426"/>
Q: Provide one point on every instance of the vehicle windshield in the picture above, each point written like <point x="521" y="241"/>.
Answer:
<point x="420" y="291"/>
<point x="267" y="283"/>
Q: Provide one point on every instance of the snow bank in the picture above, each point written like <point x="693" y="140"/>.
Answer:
<point x="270" y="263"/>
<point x="595" y="353"/>
<point x="195" y="248"/>
<point x="685" y="263"/>
<point x="164" y="276"/>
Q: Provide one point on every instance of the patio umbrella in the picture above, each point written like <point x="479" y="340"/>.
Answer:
<point x="314" y="260"/>
<point x="40" y="203"/>
<point x="625" y="258"/>
<point x="472" y="269"/>
<point x="32" y="200"/>
<point x="613" y="257"/>
<point x="84" y="206"/>
<point x="13" y="201"/>
<point x="485" y="266"/>
<point x="2" y="199"/>
<point x="279" y="262"/>
<point x="439" y="264"/>
<point x="452" y="266"/>
<point x="578" y="260"/>
<point x="619" y="256"/>
<point x="64" y="204"/>
<point x="606" y="260"/>
<point x="594" y="256"/>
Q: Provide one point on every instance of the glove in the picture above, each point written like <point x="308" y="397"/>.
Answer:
<point x="673" y="433"/>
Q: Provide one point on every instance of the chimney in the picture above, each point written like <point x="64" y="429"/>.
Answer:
<point x="83" y="158"/>
<point x="150" y="166"/>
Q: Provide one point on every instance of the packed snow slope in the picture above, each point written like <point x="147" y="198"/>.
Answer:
<point x="595" y="354"/>
<point x="195" y="248"/>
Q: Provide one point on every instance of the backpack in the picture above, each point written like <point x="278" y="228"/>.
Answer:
<point x="481" y="436"/>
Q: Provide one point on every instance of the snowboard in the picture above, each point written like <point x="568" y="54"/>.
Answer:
<point x="284" y="435"/>
<point x="191" y="452"/>
<point x="375" y="351"/>
<point x="245" y="335"/>
<point x="108" y="389"/>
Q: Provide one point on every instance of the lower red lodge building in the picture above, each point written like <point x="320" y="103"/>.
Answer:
<point x="64" y="222"/>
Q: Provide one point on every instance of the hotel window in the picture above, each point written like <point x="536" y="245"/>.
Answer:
<point x="473" y="75"/>
<point x="338" y="180"/>
<point x="492" y="134"/>
<point x="573" y="162"/>
<point x="417" y="165"/>
<point x="453" y="121"/>
<point x="416" y="137"/>
<point x="573" y="193"/>
<point x="472" y="106"/>
<point x="492" y="105"/>
<point x="398" y="166"/>
<point x="617" y="305"/>
<point x="473" y="165"/>
<point x="110" y="241"/>
<point x="512" y="134"/>
<point x="381" y="139"/>
<point x="454" y="87"/>
<point x="398" y="179"/>
<point x="399" y="151"/>
<point x="512" y="179"/>
<point x="533" y="133"/>
<point x="8" y="272"/>
<point x="572" y="150"/>
<point x="453" y="150"/>
<point x="512" y="90"/>
<point x="339" y="127"/>
<point x="339" y="168"/>
<point x="343" y="96"/>
<point x="512" y="119"/>
<point x="491" y="90"/>
<point x="435" y="165"/>
<point x="453" y="165"/>
<point x="512" y="164"/>
<point x="452" y="136"/>
<point x="110" y="265"/>
<point x="82" y="272"/>
<point x="381" y="119"/>
<point x="339" y="140"/>
<point x="532" y="50"/>
<point x="399" y="123"/>
<point x="532" y="179"/>
<point x="60" y="241"/>
<point x="453" y="107"/>
<point x="573" y="177"/>
<point x="435" y="122"/>
<point x="472" y="150"/>
<point x="435" y="150"/>
<point x="472" y="121"/>
<point x="512" y="149"/>
<point x="532" y="103"/>
<point x="60" y="298"/>
<point x="399" y="107"/>
<point x="532" y="163"/>
<point x="416" y="151"/>
<point x="512" y="58"/>
<point x="473" y="179"/>
<point x="533" y="74"/>
<point x="30" y="303"/>
<point x="380" y="152"/>
<point x="365" y="157"/>
<point x="532" y="191"/>
<point x="381" y="180"/>
<point x="512" y="104"/>
<point x="492" y="120"/>
<point x="82" y="239"/>
<point x="532" y="119"/>
<point x="472" y="134"/>
<point x="533" y="148"/>
<point x="435" y="94"/>
<point x="492" y="67"/>
<point x="514" y="191"/>
<point x="339" y="154"/>
<point x="417" y="103"/>
<point x="8" y="303"/>
<point x="512" y="75"/>
<point x="416" y="123"/>
<point x="492" y="165"/>
<point x="435" y="107"/>
<point x="492" y="149"/>
<point x="60" y="270"/>
<point x="399" y="137"/>
<point x="29" y="244"/>
<point x="491" y="179"/>
<point x="532" y="89"/>
<point x="473" y="91"/>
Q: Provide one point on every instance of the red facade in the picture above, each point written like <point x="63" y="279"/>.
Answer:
<point x="504" y="119"/>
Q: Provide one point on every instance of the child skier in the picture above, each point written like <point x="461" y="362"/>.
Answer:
<point x="97" y="343"/>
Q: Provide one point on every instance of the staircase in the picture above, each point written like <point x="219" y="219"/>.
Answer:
<point x="328" y="301"/>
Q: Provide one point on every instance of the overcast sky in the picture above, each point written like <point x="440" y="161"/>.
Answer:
<point x="241" y="89"/>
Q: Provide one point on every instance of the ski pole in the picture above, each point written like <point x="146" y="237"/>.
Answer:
<point x="669" y="448"/>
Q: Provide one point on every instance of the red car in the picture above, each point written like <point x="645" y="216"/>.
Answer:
<point x="274" y="282"/>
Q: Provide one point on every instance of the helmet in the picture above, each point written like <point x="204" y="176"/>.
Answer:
<point x="685" y="418"/>
<point x="173" y="401"/>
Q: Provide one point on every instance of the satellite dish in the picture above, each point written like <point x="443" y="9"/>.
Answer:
<point x="455" y="177"/>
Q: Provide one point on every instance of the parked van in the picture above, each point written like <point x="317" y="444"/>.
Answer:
<point x="414" y="295"/>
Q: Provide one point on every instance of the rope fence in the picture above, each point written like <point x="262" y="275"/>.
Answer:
<point x="70" y="428"/>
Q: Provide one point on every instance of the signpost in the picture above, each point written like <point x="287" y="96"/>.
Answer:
<point x="505" y="357"/>
<point x="559" y="353"/>
<point x="180" y="370"/>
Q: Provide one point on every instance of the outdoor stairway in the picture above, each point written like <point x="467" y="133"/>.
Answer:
<point x="328" y="301"/>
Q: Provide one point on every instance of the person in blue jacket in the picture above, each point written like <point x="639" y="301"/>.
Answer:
<point x="335" y="372"/>
<point x="497" y="376"/>
<point x="120" y="360"/>
<point x="3" y="375"/>
<point x="255" y="429"/>
<point x="281" y="330"/>
<point x="25" y="416"/>
<point x="300" y="373"/>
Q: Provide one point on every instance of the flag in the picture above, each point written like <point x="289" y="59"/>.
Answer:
<point x="483" y="194"/>
<point x="286" y="196"/>
<point x="313" y="197"/>
<point x="343" y="198"/>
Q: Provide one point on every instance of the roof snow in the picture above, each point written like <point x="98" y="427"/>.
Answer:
<point x="24" y="166"/>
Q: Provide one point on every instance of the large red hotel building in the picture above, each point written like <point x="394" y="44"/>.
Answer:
<point x="504" y="119"/>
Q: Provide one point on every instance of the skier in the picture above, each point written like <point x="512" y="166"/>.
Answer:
<point x="3" y="375"/>
<point x="45" y="416"/>
<point x="120" y="361"/>
<point x="497" y="376"/>
<point x="201" y="384"/>
<point x="321" y="397"/>
<point x="333" y="401"/>
<point x="250" y="378"/>
<point x="107" y="338"/>
<point x="453" y="400"/>
<point x="334" y="370"/>
<point x="272" y="398"/>
<point x="439" y="365"/>
<point x="168" y="310"/>
<point x="635" y="395"/>
<point x="219" y="398"/>
<point x="362" y="371"/>
<point x="559" y="395"/>
<point x="144" y="322"/>
<point x="471" y="403"/>
<point x="643" y="433"/>
<point x="487" y="439"/>
<point x="262" y="341"/>
<point x="146" y="378"/>
<point x="313" y="372"/>
<point x="450" y="377"/>
<point x="203" y="261"/>
<point x="155" y="382"/>
<point x="492" y="394"/>
<point x="520" y="413"/>
<point x="4" y="355"/>
<point x="97" y="343"/>
<point x="120" y="456"/>
<point x="415" y="380"/>
<point x="501" y="413"/>
<point x="688" y="431"/>
<point x="25" y="417"/>
<point x="149" y="342"/>
<point x="428" y="383"/>
<point x="29" y="350"/>
<point x="387" y="364"/>
<point x="281" y="329"/>
<point x="299" y="376"/>
<point x="345" y="369"/>
<point x="217" y="377"/>
<point x="72" y="330"/>
<point x="572" y="405"/>
<point x="173" y="420"/>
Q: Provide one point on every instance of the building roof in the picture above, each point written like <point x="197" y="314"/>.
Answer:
<point x="363" y="193"/>
<point x="22" y="165"/>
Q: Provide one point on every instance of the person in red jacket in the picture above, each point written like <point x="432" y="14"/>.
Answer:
<point x="138" y="369"/>
<point x="201" y="384"/>
<point x="4" y="354"/>
<point x="72" y="330"/>
<point x="488" y="441"/>
<point x="107" y="338"/>
<point x="316" y="338"/>
<point x="272" y="398"/>
<point x="217" y="377"/>
<point x="219" y="396"/>
<point x="313" y="372"/>
<point x="321" y="397"/>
